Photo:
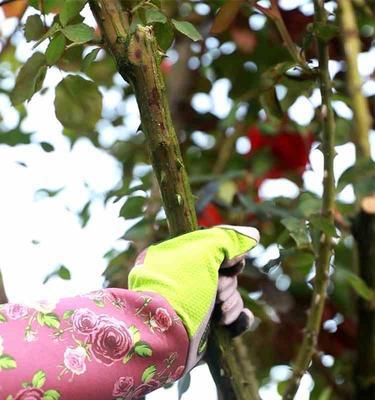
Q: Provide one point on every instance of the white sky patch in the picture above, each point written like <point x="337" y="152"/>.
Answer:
<point x="302" y="111"/>
<point x="221" y="103"/>
<point x="282" y="187"/>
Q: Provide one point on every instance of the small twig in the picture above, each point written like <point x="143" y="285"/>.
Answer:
<point x="352" y="47"/>
<point x="274" y="14"/>
<point x="310" y="338"/>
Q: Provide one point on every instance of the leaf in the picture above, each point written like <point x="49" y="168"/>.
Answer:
<point x="133" y="207"/>
<point x="326" y="31"/>
<point x="34" y="28"/>
<point x="183" y="385"/>
<point x="325" y="394"/>
<point x="29" y="79"/>
<point x="50" y="319"/>
<point x="79" y="33"/>
<point x="227" y="13"/>
<point x="153" y="15"/>
<point x="55" y="49"/>
<point x="62" y="272"/>
<point x="143" y="349"/>
<point x="148" y="373"/>
<point x="297" y="230"/>
<point x="89" y="59"/>
<point x="7" y="362"/>
<point x="164" y="35"/>
<point x="67" y="314"/>
<point x="2" y="318"/>
<point x="358" y="284"/>
<point x="135" y="333"/>
<point x="271" y="105"/>
<point x="138" y="231"/>
<point x="78" y="103"/>
<point x="187" y="29"/>
<point x="39" y="379"/>
<point x="227" y="191"/>
<point x="51" y="395"/>
<point x="51" y="31"/>
<point x="323" y="224"/>
<point x="362" y="175"/>
<point x="128" y="356"/>
<point x="70" y="9"/>
<point x="47" y="147"/>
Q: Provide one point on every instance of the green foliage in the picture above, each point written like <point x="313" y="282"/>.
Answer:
<point x="55" y="49"/>
<point x="78" y="103"/>
<point x="79" y="33"/>
<point x="29" y="79"/>
<point x="70" y="9"/>
<point x="187" y="29"/>
<point x="34" y="28"/>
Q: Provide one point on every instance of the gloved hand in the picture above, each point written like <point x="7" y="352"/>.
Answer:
<point x="186" y="271"/>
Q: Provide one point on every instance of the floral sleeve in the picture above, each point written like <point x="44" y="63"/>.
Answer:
<point x="110" y="344"/>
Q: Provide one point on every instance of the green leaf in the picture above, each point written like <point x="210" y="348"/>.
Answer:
<point x="362" y="175"/>
<point x="133" y="207"/>
<point x="148" y="373"/>
<point x="79" y="33"/>
<point x="2" y="318"/>
<point x="164" y="35"/>
<point x="135" y="333"/>
<point x="34" y="28"/>
<point x="55" y="49"/>
<point x="70" y="9"/>
<point x="62" y="272"/>
<point x="138" y="231"/>
<point x="51" y="31"/>
<point x="128" y="356"/>
<point x="67" y="314"/>
<point x="7" y="362"/>
<point x="39" y="379"/>
<point x="326" y="31"/>
<point x="50" y="319"/>
<point x="51" y="395"/>
<point x="143" y="349"/>
<point x="187" y="29"/>
<point x="183" y="385"/>
<point x="323" y="224"/>
<point x="153" y="15"/>
<point x="78" y="103"/>
<point x="47" y="147"/>
<point x="358" y="284"/>
<point x="10" y="397"/>
<point x="271" y="105"/>
<point x="325" y="394"/>
<point x="297" y="230"/>
<point x="89" y="59"/>
<point x="29" y="79"/>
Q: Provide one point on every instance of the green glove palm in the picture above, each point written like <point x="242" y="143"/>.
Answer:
<point x="185" y="271"/>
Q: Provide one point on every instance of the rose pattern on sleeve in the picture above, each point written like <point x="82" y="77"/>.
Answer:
<point x="137" y="338"/>
<point x="6" y="361"/>
<point x="34" y="390"/>
<point x="100" y="337"/>
<point x="158" y="320"/>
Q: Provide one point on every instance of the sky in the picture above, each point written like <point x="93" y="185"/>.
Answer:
<point x="39" y="233"/>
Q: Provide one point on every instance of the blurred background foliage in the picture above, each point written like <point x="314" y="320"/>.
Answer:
<point x="238" y="100"/>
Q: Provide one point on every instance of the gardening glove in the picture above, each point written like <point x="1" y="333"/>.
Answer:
<point x="186" y="271"/>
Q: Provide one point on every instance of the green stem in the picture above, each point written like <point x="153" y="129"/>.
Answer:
<point x="274" y="14"/>
<point x="308" y="346"/>
<point x="138" y="62"/>
<point x="3" y="296"/>
<point x="352" y="47"/>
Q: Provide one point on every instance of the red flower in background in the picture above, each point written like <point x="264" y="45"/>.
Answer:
<point x="289" y="149"/>
<point x="210" y="216"/>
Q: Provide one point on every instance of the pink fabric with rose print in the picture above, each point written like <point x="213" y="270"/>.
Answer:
<point x="110" y="344"/>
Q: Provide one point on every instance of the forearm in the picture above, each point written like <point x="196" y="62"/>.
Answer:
<point x="110" y="344"/>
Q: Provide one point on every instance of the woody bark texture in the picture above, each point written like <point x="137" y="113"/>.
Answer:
<point x="363" y="229"/>
<point x="138" y="61"/>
